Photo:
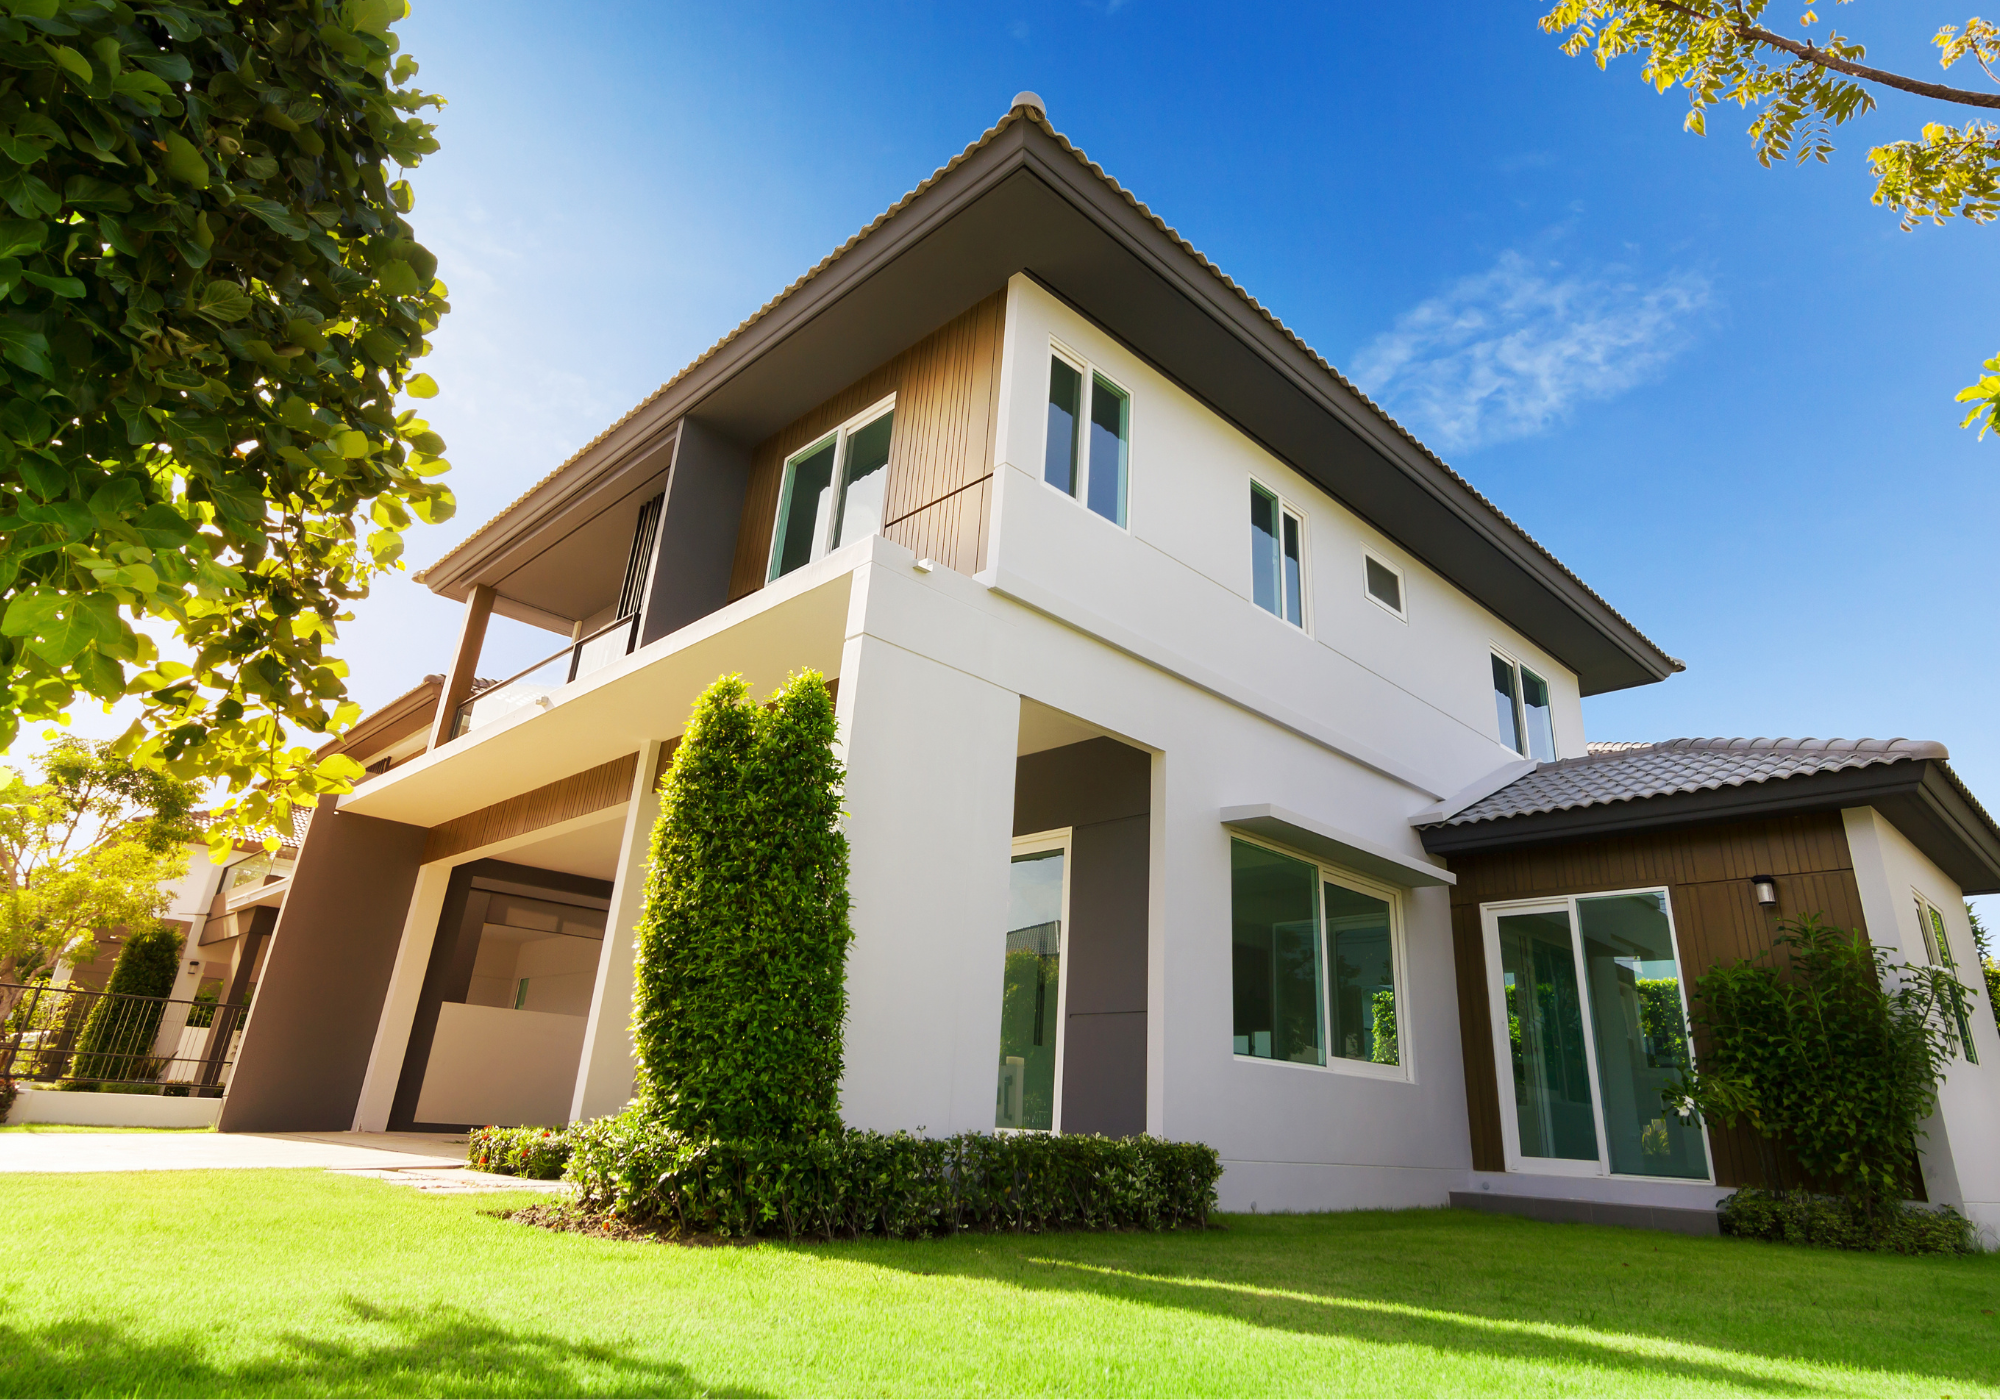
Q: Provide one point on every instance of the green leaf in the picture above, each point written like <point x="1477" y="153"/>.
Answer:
<point x="24" y="420"/>
<point x="26" y="348"/>
<point x="222" y="302"/>
<point x="420" y="386"/>
<point x="184" y="162"/>
<point x="61" y="286"/>
<point x="71" y="62"/>
<point x="29" y="613"/>
<point x="21" y="236"/>
<point x="275" y="216"/>
<point x="351" y="445"/>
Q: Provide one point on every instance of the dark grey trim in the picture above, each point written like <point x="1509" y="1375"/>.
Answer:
<point x="1679" y="1220"/>
<point x="1021" y="203"/>
<point x="697" y="543"/>
<point x="1918" y="796"/>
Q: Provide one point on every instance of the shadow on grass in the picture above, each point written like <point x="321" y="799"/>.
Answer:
<point x="1727" y="1313"/>
<point x="441" y="1350"/>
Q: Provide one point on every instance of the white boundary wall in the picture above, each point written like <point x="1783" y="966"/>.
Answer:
<point x="113" y="1110"/>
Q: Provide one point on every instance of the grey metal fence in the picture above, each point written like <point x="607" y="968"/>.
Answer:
<point x="72" y="1035"/>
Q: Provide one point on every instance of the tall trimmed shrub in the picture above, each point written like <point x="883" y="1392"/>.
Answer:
<point x="119" y="1030"/>
<point x="740" y="990"/>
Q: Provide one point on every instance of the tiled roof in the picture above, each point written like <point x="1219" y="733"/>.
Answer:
<point x="1040" y="119"/>
<point x="1624" y="772"/>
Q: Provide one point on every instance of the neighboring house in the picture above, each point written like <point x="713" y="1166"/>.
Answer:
<point x="1204" y="734"/>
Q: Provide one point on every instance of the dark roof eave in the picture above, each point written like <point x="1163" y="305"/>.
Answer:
<point x="1922" y="798"/>
<point x="1215" y="340"/>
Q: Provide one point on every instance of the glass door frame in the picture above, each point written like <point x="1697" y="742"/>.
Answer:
<point x="1037" y="844"/>
<point x="1496" y="993"/>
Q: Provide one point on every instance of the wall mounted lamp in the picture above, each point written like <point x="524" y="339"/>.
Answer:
<point x="1766" y="890"/>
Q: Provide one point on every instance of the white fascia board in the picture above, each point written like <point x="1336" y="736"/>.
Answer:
<point x="1477" y="792"/>
<point x="1357" y="853"/>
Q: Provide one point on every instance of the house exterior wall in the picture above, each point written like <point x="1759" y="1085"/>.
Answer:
<point x="1706" y="871"/>
<point x="940" y="454"/>
<point x="1962" y="1140"/>
<point x="1180" y="576"/>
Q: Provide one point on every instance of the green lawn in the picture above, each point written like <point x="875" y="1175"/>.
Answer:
<point x="308" y="1283"/>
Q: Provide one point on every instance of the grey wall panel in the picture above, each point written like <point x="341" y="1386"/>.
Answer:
<point x="312" y="1025"/>
<point x="1109" y="1094"/>
<point x="697" y="543"/>
<point x="1102" y="791"/>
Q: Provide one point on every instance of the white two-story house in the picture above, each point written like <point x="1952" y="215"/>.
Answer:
<point x="1176" y="685"/>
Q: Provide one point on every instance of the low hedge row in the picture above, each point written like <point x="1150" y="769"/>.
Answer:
<point x="848" y="1183"/>
<point x="537" y="1153"/>
<point x="1801" y="1217"/>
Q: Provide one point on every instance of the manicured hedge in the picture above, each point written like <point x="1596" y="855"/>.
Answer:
<point x="119" y="1034"/>
<point x="846" y="1183"/>
<point x="739" y="991"/>
<point x="1835" y="1222"/>
<point x="537" y="1153"/>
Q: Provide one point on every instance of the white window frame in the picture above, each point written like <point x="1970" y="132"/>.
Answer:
<point x="1503" y="1059"/>
<point x="837" y="498"/>
<point x="1521" y="705"/>
<point x="1401" y="614"/>
<point x="1946" y="961"/>
<point x="1405" y="1070"/>
<point x="1058" y="839"/>
<point x="1286" y="508"/>
<point x="1091" y="373"/>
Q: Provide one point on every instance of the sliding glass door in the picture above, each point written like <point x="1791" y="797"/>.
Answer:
<point x="1589" y="1025"/>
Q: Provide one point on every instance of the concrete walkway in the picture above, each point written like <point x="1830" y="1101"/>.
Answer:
<point x="428" y="1161"/>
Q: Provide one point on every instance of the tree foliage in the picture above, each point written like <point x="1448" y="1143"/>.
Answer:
<point x="740" y="988"/>
<point x="1719" y="51"/>
<point x="91" y="846"/>
<point x="212" y="302"/>
<point x="1837" y="1055"/>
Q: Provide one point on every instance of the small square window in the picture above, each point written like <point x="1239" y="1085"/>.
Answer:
<point x="1385" y="584"/>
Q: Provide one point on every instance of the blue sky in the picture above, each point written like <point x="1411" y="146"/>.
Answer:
<point x="1721" y="394"/>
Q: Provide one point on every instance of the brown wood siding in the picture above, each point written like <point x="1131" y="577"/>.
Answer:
<point x="1706" y="871"/>
<point x="594" y="789"/>
<point x="947" y="389"/>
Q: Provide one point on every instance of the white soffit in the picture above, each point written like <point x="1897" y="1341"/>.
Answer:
<point x="1330" y="843"/>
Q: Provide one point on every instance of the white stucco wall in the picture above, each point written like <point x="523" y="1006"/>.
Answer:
<point x="1961" y="1149"/>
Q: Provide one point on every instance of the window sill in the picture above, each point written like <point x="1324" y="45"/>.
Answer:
<point x="1354" y="1069"/>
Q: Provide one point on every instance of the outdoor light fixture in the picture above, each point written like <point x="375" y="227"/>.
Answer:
<point x="1766" y="890"/>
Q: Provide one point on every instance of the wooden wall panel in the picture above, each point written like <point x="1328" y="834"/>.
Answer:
<point x="594" y="789"/>
<point x="1707" y="873"/>
<point x="947" y="389"/>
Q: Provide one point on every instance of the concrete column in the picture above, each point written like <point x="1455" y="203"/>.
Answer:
<point x="464" y="662"/>
<point x="399" y="1004"/>
<point x="604" y="1076"/>
<point x="930" y="794"/>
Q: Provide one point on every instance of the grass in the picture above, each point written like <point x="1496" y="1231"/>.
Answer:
<point x="311" y="1283"/>
<point x="88" y="1128"/>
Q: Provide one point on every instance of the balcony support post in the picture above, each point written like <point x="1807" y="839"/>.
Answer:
<point x="458" y="681"/>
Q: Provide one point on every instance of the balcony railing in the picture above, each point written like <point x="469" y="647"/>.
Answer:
<point x="534" y="685"/>
<point x="72" y="1035"/>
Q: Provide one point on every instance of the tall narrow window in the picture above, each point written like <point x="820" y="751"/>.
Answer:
<point x="1031" y="990"/>
<point x="833" y="492"/>
<point x="1277" y="556"/>
<point x="1362" y="958"/>
<point x="1110" y="409"/>
<point x="1274" y="904"/>
<point x="1091" y="466"/>
<point x="1507" y="704"/>
<point x="1937" y="944"/>
<point x="1065" y="417"/>
<point x="1527" y="720"/>
<point x="1538" y="716"/>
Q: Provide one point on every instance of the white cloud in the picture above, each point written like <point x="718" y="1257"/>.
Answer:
<point x="1508" y="353"/>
